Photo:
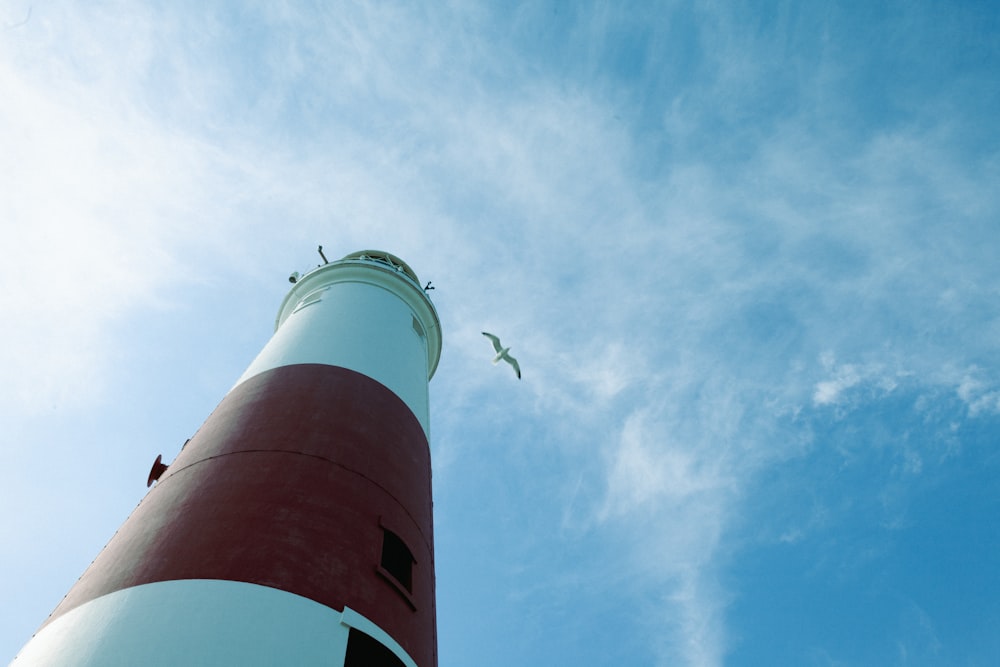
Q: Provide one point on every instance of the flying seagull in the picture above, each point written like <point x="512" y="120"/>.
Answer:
<point x="502" y="353"/>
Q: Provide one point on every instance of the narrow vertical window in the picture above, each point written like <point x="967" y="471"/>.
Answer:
<point x="397" y="559"/>
<point x="418" y="328"/>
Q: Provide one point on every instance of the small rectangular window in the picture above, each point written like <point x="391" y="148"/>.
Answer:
<point x="418" y="328"/>
<point x="397" y="559"/>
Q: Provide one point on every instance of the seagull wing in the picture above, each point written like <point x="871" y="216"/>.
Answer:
<point x="496" y="341"/>
<point x="513" y="362"/>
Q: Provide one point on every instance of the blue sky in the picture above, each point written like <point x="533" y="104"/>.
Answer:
<point x="745" y="256"/>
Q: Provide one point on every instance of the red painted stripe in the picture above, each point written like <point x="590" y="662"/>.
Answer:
<point x="285" y="485"/>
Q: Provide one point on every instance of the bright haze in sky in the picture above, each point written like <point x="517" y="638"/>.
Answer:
<point x="746" y="254"/>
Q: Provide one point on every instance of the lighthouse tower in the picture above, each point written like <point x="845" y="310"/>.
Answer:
<point x="295" y="527"/>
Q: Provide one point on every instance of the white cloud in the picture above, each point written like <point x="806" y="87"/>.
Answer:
<point x="647" y="469"/>
<point x="980" y="396"/>
<point x="829" y="391"/>
<point x="676" y="499"/>
<point x="83" y="236"/>
<point x="844" y="377"/>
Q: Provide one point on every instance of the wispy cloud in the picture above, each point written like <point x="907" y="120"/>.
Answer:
<point x="676" y="498"/>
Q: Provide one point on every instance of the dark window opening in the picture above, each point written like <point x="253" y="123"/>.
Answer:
<point x="397" y="559"/>
<point x="366" y="651"/>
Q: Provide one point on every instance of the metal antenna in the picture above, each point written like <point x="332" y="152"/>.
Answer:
<point x="325" y="260"/>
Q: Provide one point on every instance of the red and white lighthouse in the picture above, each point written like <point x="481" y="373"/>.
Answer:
<point x="295" y="527"/>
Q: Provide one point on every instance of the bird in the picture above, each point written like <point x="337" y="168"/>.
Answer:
<point x="503" y="353"/>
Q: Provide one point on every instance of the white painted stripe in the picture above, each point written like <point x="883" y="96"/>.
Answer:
<point x="362" y="317"/>
<point x="200" y="622"/>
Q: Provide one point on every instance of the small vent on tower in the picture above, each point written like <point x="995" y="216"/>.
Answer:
<point x="419" y="329"/>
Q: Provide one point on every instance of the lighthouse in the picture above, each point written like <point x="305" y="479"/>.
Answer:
<point x="295" y="527"/>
